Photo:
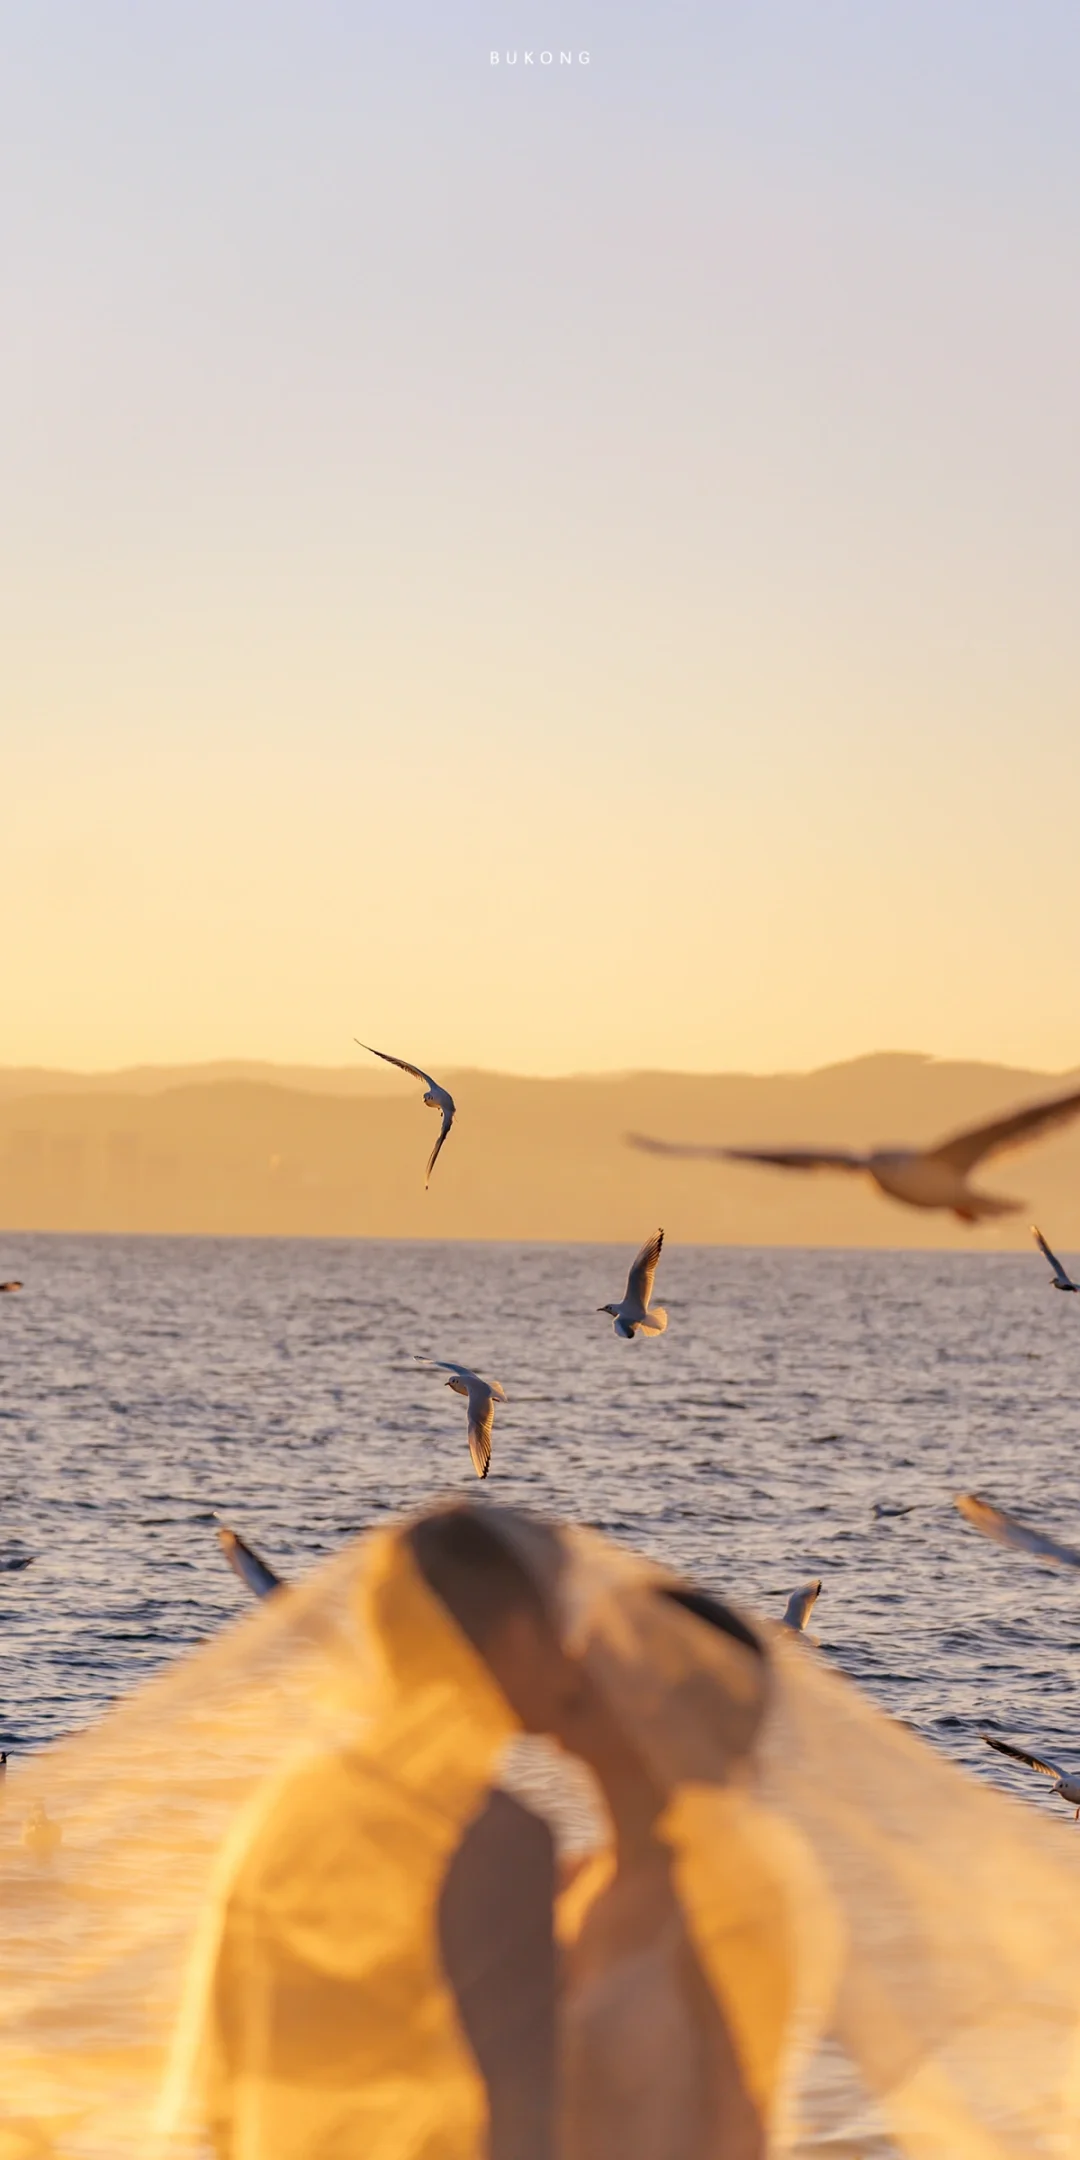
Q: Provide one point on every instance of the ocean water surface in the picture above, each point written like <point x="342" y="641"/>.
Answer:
<point x="146" y="1382"/>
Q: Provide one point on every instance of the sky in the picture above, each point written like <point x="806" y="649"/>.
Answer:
<point x="555" y="568"/>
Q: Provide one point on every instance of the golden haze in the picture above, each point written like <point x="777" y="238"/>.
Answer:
<point x="246" y="1150"/>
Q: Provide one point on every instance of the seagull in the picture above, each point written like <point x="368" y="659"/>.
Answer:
<point x="1061" y="1280"/>
<point x="436" y="1098"/>
<point x="1066" y="1782"/>
<point x="7" y="1286"/>
<point x="483" y="1396"/>
<point x="800" y="1605"/>
<point x="254" y="1572"/>
<point x="933" y="1177"/>
<point x="633" y="1316"/>
<point x="1009" y="1530"/>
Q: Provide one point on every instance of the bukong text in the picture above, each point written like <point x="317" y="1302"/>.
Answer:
<point x="539" y="59"/>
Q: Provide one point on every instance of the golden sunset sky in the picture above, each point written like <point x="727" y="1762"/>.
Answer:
<point x="554" y="570"/>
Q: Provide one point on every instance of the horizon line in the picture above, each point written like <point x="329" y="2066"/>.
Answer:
<point x="502" y="1072"/>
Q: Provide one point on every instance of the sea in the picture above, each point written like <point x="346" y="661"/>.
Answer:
<point x="807" y="1413"/>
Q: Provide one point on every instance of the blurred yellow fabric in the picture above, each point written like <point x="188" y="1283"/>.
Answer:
<point x="372" y="1870"/>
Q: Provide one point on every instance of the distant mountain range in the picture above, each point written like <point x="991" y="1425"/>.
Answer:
<point x="237" y="1148"/>
<point x="368" y="1079"/>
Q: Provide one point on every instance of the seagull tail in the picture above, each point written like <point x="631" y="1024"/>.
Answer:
<point x="654" y="1323"/>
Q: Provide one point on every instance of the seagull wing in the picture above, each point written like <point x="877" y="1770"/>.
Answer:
<point x="965" y="1149"/>
<point x="447" y="1121"/>
<point x="438" y="1364"/>
<point x="801" y="1604"/>
<point x="1019" y="1754"/>
<point x="481" y="1420"/>
<point x="259" y="1578"/>
<point x="639" y="1282"/>
<point x="700" y="1151"/>
<point x="402" y="1064"/>
<point x="780" y="1158"/>
<point x="1059" y="1272"/>
<point x="799" y="1158"/>
<point x="1009" y="1530"/>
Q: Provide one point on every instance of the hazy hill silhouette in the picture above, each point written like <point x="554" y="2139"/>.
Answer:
<point x="173" y="1151"/>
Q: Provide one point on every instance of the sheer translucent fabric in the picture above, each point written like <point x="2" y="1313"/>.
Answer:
<point x="248" y="1917"/>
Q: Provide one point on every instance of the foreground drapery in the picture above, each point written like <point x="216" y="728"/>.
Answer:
<point x="312" y="1896"/>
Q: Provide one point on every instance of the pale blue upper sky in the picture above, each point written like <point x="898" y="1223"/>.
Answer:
<point x="552" y="568"/>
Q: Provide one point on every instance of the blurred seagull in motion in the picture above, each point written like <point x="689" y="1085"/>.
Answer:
<point x="254" y="1573"/>
<point x="482" y="1397"/>
<point x="436" y="1098"/>
<point x="933" y="1177"/>
<point x="1061" y="1281"/>
<point x="1066" y="1782"/>
<point x="800" y="1605"/>
<point x="1005" y="1529"/>
<point x="633" y="1316"/>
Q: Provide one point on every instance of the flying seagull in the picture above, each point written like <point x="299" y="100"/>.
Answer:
<point x="633" y="1316"/>
<point x="1009" y="1530"/>
<point x="436" y="1098"/>
<point x="933" y="1177"/>
<point x="800" y="1605"/>
<point x="253" y="1572"/>
<point x="1061" y="1281"/>
<point x="1066" y="1782"/>
<point x="483" y="1396"/>
<point x="9" y="1286"/>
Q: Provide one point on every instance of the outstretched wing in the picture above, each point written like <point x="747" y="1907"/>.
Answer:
<point x="1059" y="1272"/>
<point x="1009" y="1530"/>
<point x="1019" y="1754"/>
<point x="481" y="1420"/>
<point x="799" y="1158"/>
<point x="639" y="1282"/>
<point x="778" y="1158"/>
<point x="465" y="1373"/>
<point x="438" y="1364"/>
<point x="402" y="1064"/>
<point x="447" y="1121"/>
<point x="253" y="1572"/>
<point x="965" y="1149"/>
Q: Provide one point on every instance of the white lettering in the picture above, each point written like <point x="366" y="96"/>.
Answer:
<point x="511" y="59"/>
<point x="528" y="59"/>
<point x="566" y="59"/>
<point x="583" y="58"/>
<point x="494" y="59"/>
<point x="545" y="59"/>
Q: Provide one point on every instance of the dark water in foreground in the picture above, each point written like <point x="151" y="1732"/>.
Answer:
<point x="145" y="1382"/>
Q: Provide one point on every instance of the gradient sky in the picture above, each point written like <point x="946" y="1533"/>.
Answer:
<point x="554" y="569"/>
